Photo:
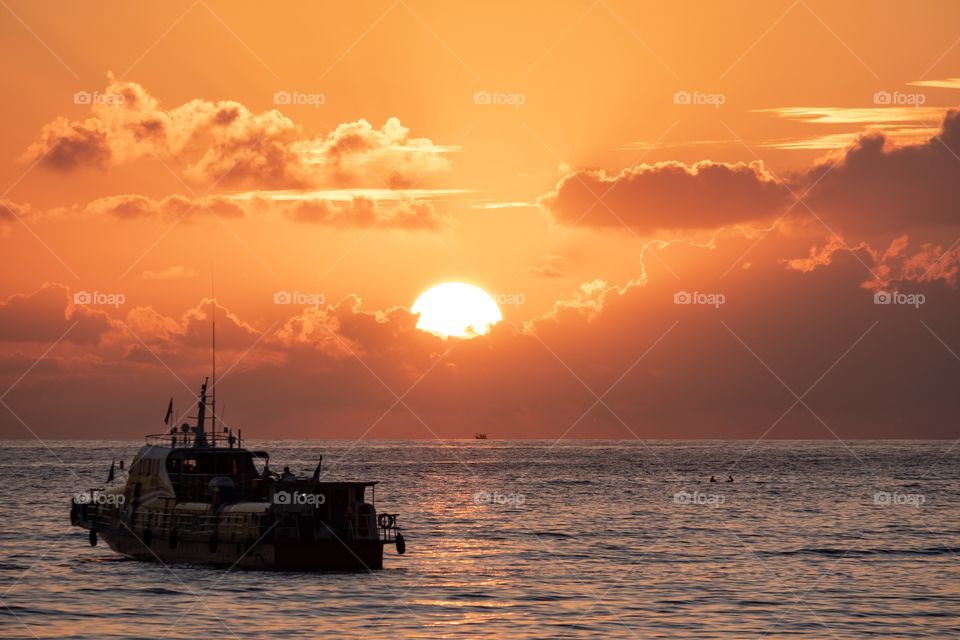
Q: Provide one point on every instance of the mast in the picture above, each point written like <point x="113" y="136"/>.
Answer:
<point x="213" y="358"/>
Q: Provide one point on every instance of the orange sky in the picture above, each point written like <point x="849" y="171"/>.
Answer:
<point x="592" y="160"/>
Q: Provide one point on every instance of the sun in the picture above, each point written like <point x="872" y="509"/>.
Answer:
<point x="456" y="309"/>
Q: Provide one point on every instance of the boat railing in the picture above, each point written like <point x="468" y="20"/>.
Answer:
<point x="181" y="439"/>
<point x="388" y="528"/>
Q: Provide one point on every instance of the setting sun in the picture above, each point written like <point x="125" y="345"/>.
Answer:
<point x="456" y="309"/>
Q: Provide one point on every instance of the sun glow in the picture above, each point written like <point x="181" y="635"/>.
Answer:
<point x="456" y="309"/>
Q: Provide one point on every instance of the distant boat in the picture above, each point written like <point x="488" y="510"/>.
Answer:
<point x="479" y="436"/>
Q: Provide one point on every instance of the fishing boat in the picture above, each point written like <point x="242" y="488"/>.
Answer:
<point x="479" y="436"/>
<point x="195" y="494"/>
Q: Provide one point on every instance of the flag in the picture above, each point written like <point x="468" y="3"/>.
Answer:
<point x="166" y="418"/>
<point x="110" y="476"/>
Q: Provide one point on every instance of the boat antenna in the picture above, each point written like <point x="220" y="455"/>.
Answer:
<point x="213" y="358"/>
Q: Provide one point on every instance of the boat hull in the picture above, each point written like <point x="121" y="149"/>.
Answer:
<point x="319" y="555"/>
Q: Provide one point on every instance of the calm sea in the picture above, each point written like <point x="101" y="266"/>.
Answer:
<point x="584" y="539"/>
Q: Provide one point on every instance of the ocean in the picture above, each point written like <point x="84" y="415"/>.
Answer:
<point x="532" y="539"/>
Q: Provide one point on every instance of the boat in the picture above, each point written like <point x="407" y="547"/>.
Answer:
<point x="193" y="495"/>
<point x="479" y="436"/>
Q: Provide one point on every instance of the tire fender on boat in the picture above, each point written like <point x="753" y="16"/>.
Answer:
<point x="401" y="544"/>
<point x="93" y="537"/>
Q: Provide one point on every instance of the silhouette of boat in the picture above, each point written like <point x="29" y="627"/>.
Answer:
<point x="479" y="436"/>
<point x="196" y="496"/>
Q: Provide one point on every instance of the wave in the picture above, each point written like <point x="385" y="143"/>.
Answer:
<point x="839" y="552"/>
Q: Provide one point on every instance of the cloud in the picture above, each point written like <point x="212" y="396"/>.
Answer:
<point x="10" y="210"/>
<point x="876" y="187"/>
<point x="667" y="196"/>
<point x="133" y="206"/>
<point x="224" y="142"/>
<point x="47" y="315"/>
<point x="871" y="187"/>
<point x="947" y="83"/>
<point x="192" y="329"/>
<point x="550" y="266"/>
<point x="900" y="263"/>
<point x="664" y="370"/>
<point x="359" y="153"/>
<point x="364" y="212"/>
<point x="358" y="211"/>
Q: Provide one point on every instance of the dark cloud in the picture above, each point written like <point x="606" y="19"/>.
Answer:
<point x="46" y="315"/>
<point x="877" y="187"/>
<point x="872" y="187"/>
<point x="667" y="196"/>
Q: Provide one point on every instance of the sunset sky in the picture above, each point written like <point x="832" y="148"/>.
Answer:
<point x="790" y="170"/>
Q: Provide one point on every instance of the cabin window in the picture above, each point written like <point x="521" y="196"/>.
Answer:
<point x="190" y="465"/>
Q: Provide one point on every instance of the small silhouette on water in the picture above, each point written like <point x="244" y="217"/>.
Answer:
<point x="729" y="478"/>
<point x="712" y="479"/>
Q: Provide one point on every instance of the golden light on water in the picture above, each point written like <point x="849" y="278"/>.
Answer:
<point x="456" y="309"/>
